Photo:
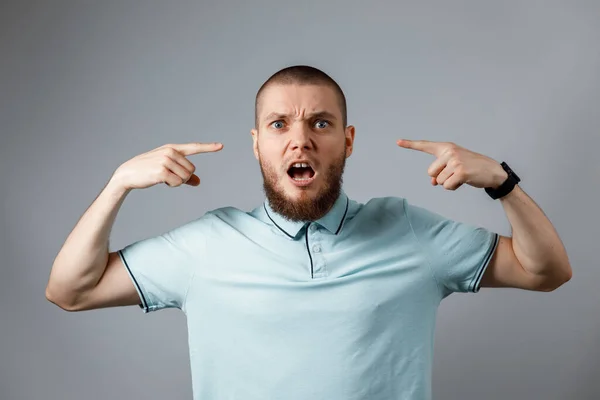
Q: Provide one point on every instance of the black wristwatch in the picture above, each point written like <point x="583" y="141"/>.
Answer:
<point x="508" y="185"/>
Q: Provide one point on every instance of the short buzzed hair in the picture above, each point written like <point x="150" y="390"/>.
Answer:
<point x="302" y="75"/>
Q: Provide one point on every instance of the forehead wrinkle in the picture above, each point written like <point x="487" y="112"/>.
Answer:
<point x="290" y="96"/>
<point x="317" y="113"/>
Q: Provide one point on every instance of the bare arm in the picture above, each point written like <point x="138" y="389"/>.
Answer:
<point x="84" y="274"/>
<point x="534" y="257"/>
<point x="84" y="257"/>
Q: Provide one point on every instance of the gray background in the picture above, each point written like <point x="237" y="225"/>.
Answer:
<point x="85" y="86"/>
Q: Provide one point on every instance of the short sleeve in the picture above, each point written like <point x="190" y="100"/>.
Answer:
<point x="162" y="267"/>
<point x="458" y="252"/>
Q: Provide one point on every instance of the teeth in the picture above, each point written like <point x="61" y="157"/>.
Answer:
<point x="300" y="165"/>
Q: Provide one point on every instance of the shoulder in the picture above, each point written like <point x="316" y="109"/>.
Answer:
<point x="202" y="227"/>
<point x="207" y="220"/>
<point x="383" y="206"/>
<point x="191" y="228"/>
<point x="378" y="210"/>
<point x="222" y="219"/>
<point x="227" y="214"/>
<point x="400" y="208"/>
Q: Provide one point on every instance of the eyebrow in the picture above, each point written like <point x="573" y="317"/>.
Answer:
<point x="317" y="114"/>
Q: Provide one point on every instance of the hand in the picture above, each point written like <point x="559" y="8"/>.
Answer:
<point x="166" y="164"/>
<point x="456" y="165"/>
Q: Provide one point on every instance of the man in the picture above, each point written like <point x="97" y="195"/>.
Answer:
<point x="311" y="295"/>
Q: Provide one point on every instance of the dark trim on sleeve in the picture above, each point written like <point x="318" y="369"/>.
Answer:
<point x="144" y="304"/>
<point x="484" y="265"/>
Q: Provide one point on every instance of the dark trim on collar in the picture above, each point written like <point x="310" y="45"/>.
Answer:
<point x="336" y="216"/>
<point x="343" y="216"/>
<point x="280" y="228"/>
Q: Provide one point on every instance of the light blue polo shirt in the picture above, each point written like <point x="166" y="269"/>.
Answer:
<point x="339" y="308"/>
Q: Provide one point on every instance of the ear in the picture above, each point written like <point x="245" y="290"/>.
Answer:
<point x="349" y="139"/>
<point x="254" y="133"/>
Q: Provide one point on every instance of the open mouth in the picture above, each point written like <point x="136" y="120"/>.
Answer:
<point x="301" y="174"/>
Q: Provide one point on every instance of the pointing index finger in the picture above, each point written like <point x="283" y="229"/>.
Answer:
<point x="196" y="147"/>
<point x="421" y="145"/>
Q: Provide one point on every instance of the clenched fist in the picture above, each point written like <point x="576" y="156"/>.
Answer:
<point x="166" y="164"/>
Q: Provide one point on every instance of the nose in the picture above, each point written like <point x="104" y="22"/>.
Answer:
<point x="301" y="137"/>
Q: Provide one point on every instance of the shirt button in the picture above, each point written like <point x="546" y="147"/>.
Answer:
<point x="313" y="228"/>
<point x="317" y="248"/>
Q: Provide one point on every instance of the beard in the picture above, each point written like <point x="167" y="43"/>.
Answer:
<point x="305" y="207"/>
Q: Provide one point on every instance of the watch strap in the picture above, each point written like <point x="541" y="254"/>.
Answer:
<point x="506" y="187"/>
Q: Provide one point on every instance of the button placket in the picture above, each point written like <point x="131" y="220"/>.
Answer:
<point x="316" y="249"/>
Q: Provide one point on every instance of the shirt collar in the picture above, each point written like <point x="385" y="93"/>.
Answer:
<point x="332" y="221"/>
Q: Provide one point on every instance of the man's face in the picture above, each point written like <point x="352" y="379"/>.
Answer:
<point x="301" y="123"/>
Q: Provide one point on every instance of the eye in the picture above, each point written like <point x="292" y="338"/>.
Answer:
<point x="322" y="124"/>
<point x="277" y="124"/>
